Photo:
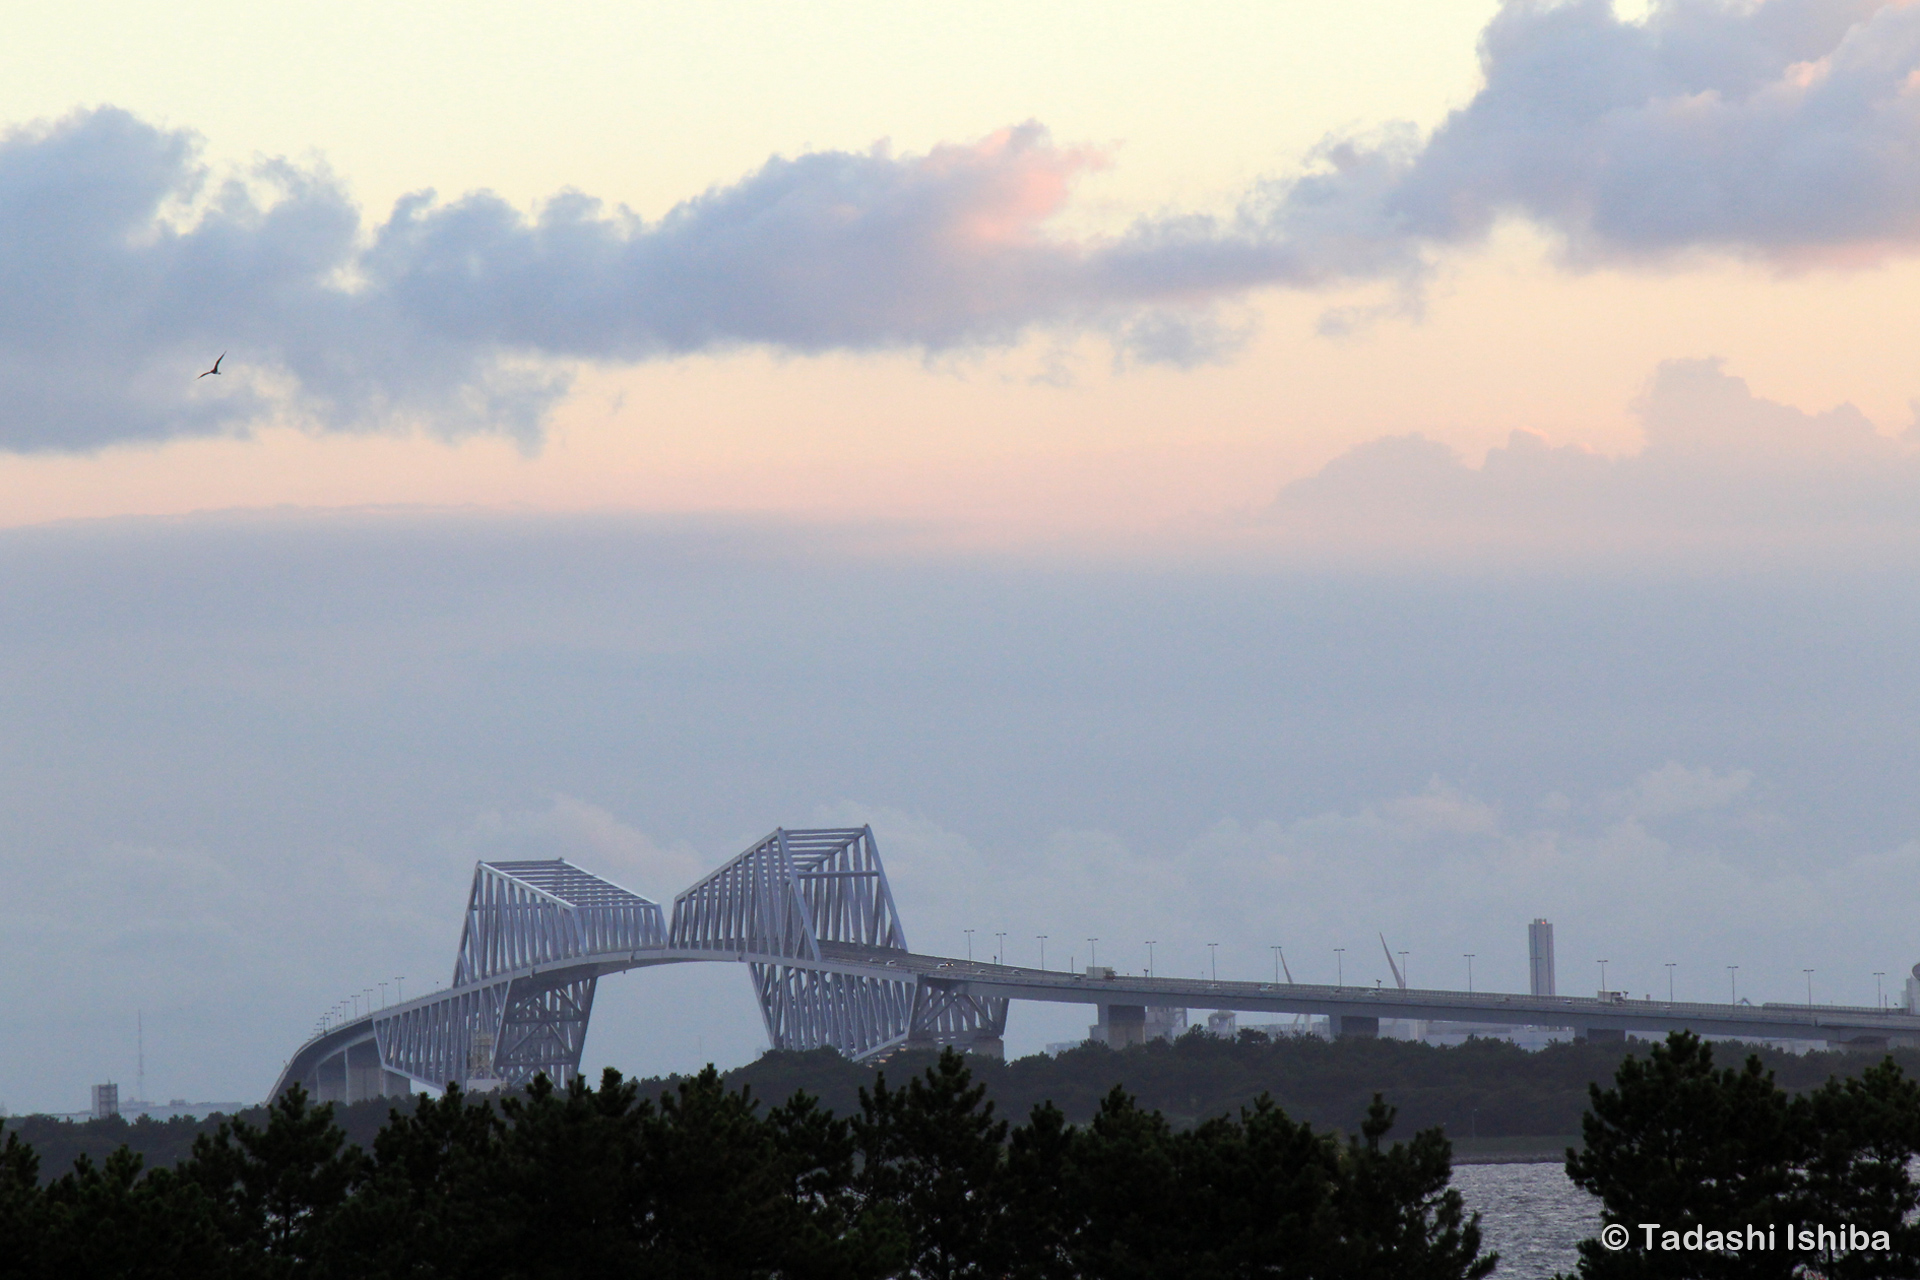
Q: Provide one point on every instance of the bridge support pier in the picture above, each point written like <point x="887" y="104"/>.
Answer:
<point x="1354" y="1026"/>
<point x="329" y="1079"/>
<point x="1120" y="1025"/>
<point x="985" y="1046"/>
<point x="355" y="1074"/>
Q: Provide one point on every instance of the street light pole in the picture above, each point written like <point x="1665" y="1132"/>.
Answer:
<point x="1000" y="951"/>
<point x="1093" y="954"/>
<point x="1809" y="974"/>
<point x="969" y="934"/>
<point x="1879" y="1000"/>
<point x="1213" y="959"/>
<point x="1603" y="974"/>
<point x="1043" y="950"/>
<point x="1469" y="955"/>
<point x="1339" y="969"/>
<point x="1276" y="965"/>
<point x="1669" y="983"/>
<point x="1149" y="957"/>
<point x="1733" y="984"/>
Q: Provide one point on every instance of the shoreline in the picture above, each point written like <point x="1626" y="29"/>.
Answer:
<point x="1519" y="1149"/>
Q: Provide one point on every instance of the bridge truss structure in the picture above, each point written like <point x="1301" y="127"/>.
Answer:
<point x="809" y="913"/>
<point x="811" y="916"/>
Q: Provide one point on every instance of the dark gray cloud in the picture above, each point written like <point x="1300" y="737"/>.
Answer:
<point x="126" y="267"/>
<point x="1786" y="128"/>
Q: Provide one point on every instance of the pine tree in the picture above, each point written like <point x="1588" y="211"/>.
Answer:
<point x="932" y="1150"/>
<point x="1684" y="1144"/>
<point x="1399" y="1219"/>
<point x="273" y="1193"/>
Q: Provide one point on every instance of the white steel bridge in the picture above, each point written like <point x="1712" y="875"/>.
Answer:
<point x="811" y="915"/>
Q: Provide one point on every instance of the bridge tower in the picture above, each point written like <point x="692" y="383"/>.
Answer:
<point x="812" y="914"/>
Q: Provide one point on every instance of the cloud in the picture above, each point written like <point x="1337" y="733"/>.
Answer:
<point x="126" y="266"/>
<point x="1635" y="887"/>
<point x="1674" y="789"/>
<point x="1717" y="462"/>
<point x="1788" y="129"/>
<point x="588" y="836"/>
<point x="1442" y="808"/>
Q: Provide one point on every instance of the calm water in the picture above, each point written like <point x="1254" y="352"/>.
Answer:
<point x="1530" y="1213"/>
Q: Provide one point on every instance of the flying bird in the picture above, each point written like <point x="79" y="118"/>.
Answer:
<point x="216" y="366"/>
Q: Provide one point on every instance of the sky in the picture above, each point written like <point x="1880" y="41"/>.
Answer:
<point x="1255" y="474"/>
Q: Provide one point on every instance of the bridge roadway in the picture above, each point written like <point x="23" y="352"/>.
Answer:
<point x="1352" y="1010"/>
<point x="1836" y="1024"/>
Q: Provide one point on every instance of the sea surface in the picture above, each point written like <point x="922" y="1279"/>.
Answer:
<point x="1530" y="1214"/>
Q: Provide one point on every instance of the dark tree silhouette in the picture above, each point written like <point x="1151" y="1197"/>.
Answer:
<point x="1680" y="1142"/>
<point x="702" y="1183"/>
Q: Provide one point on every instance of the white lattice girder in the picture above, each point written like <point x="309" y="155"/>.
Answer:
<point x="522" y="914"/>
<point x="942" y="1015"/>
<point x="812" y="1009"/>
<point x="543" y="1029"/>
<point x="788" y="894"/>
<point x="433" y="1042"/>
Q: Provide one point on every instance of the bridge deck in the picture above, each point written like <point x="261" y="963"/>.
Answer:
<point x="1769" y="1021"/>
<point x="810" y="911"/>
<point x="1833" y="1023"/>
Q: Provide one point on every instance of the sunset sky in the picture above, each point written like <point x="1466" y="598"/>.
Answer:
<point x="1093" y="273"/>
<point x="1476" y="442"/>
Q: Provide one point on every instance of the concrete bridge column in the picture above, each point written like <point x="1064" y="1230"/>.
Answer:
<point x="1354" y="1026"/>
<point x="1120" y="1025"/>
<point x="366" y="1078"/>
<point x="330" y="1079"/>
<point x="355" y="1073"/>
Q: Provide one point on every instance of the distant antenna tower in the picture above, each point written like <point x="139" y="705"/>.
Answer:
<point x="140" y="1051"/>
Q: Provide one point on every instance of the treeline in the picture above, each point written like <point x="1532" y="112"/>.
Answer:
<point x="1484" y="1088"/>
<point x="160" y="1144"/>
<point x="703" y="1183"/>
<point x="1488" y="1088"/>
<point x="1745" y="1174"/>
